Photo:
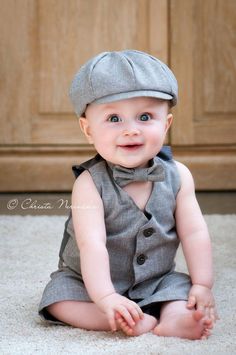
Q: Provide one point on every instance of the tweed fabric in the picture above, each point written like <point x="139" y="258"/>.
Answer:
<point x="141" y="244"/>
<point x="124" y="176"/>
<point x="119" y="75"/>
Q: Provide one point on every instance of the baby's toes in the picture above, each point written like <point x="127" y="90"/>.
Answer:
<point x="208" y="323"/>
<point x="128" y="331"/>
<point x="206" y="333"/>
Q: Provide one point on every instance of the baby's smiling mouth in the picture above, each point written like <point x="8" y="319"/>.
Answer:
<point x="130" y="146"/>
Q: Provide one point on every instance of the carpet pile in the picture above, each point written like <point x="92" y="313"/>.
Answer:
<point x="29" y="248"/>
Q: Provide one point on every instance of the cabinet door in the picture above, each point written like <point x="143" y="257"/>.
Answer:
<point x="43" y="43"/>
<point x="203" y="57"/>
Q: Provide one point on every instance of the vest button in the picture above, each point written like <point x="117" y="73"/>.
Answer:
<point x="141" y="259"/>
<point x="148" y="232"/>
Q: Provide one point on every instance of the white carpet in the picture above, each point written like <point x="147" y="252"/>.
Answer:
<point x="29" y="247"/>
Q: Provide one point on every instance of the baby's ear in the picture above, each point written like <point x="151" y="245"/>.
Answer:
<point x="85" y="128"/>
<point x="169" y="120"/>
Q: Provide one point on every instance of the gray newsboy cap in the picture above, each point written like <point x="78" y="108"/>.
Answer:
<point x="114" y="76"/>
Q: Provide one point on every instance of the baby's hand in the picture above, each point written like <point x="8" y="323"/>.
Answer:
<point x="201" y="298"/>
<point x="114" y="303"/>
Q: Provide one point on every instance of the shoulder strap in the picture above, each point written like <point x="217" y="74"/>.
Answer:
<point x="165" y="153"/>
<point x="78" y="169"/>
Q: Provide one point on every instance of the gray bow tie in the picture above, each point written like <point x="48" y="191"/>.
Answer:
<point x="124" y="176"/>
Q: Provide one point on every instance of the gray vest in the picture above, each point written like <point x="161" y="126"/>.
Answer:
<point x="141" y="244"/>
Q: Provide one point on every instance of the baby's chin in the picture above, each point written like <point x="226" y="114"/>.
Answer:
<point x="132" y="165"/>
<point x="129" y="160"/>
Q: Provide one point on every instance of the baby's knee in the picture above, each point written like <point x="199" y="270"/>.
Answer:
<point x="57" y="310"/>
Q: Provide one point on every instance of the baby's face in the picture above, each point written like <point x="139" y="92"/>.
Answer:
<point x="127" y="132"/>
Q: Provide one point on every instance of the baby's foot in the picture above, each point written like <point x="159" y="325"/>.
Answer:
<point x="144" y="325"/>
<point x="191" y="325"/>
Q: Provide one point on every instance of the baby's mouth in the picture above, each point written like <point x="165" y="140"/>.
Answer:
<point x="131" y="146"/>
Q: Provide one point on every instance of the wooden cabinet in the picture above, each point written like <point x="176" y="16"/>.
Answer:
<point x="203" y="56"/>
<point x="43" y="43"/>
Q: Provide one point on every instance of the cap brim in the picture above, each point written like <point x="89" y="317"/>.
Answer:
<point x="132" y="94"/>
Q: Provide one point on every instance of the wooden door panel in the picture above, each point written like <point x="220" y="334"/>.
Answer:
<point x="203" y="57"/>
<point x="17" y="65"/>
<point x="43" y="43"/>
<point x="203" y="44"/>
<point x="88" y="28"/>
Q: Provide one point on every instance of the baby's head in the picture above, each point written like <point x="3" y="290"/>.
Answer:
<point x="114" y="76"/>
<point x="123" y="100"/>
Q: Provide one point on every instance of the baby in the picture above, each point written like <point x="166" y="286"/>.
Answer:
<point x="132" y="205"/>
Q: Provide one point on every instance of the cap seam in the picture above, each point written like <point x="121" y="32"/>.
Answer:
<point x="169" y="78"/>
<point x="91" y="72"/>
<point x="132" y="68"/>
<point x="165" y="71"/>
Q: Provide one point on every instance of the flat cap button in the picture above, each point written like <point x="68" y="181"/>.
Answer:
<point x="141" y="259"/>
<point x="148" y="232"/>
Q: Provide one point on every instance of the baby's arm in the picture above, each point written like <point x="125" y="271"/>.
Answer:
<point x="89" y="226"/>
<point x="193" y="233"/>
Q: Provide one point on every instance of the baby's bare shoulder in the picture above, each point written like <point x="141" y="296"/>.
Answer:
<point x="186" y="178"/>
<point x="84" y="187"/>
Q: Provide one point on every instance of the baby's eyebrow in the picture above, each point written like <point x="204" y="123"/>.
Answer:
<point x="147" y="109"/>
<point x="105" y="107"/>
<point x="111" y="107"/>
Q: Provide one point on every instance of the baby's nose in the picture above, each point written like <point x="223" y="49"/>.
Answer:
<point x="131" y="130"/>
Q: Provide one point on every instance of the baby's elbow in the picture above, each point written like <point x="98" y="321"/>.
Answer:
<point x="90" y="246"/>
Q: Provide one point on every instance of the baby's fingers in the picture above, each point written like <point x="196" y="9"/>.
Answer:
<point x="191" y="302"/>
<point x="111" y="321"/>
<point x="125" y="313"/>
<point x="136" y="312"/>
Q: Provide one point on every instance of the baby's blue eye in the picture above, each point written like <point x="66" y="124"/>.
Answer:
<point x="145" y="117"/>
<point x="114" y="118"/>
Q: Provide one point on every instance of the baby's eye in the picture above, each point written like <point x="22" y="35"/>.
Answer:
<point x="145" y="117"/>
<point x="114" y="118"/>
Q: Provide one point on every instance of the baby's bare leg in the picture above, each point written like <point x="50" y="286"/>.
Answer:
<point x="85" y="315"/>
<point x="178" y="321"/>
